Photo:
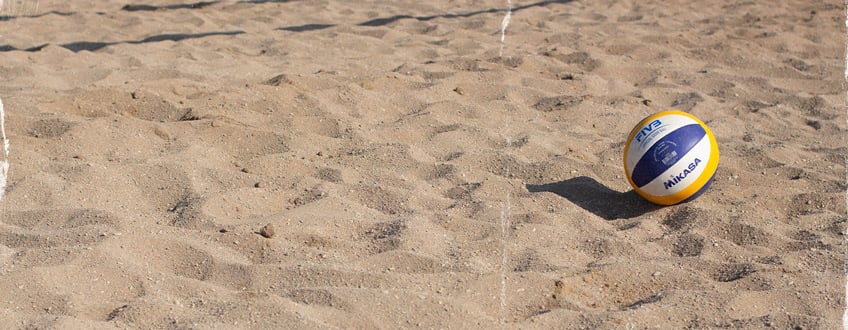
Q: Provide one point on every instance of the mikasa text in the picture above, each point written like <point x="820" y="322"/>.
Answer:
<point x="677" y="178"/>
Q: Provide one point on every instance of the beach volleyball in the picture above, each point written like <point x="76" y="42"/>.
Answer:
<point x="670" y="157"/>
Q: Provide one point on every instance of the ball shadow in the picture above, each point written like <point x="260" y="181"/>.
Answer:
<point x="594" y="197"/>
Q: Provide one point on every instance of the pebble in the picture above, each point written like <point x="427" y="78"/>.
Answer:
<point x="267" y="231"/>
<point x="163" y="134"/>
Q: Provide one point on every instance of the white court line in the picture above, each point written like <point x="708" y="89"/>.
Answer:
<point x="845" y="263"/>
<point x="504" y="24"/>
<point x="505" y="213"/>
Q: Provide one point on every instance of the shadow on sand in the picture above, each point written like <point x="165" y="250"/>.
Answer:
<point x="195" y="5"/>
<point x="594" y="197"/>
<point x="92" y="46"/>
<point x="388" y="20"/>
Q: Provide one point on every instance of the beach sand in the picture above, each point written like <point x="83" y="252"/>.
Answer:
<point x="414" y="172"/>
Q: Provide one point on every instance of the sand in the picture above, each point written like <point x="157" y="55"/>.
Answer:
<point x="380" y="164"/>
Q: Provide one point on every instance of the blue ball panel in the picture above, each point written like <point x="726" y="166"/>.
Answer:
<point x="665" y="153"/>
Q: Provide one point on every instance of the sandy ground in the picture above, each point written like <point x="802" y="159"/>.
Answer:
<point x="411" y="173"/>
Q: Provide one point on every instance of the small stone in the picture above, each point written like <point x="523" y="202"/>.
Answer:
<point x="459" y="91"/>
<point x="646" y="102"/>
<point x="267" y="231"/>
<point x="259" y="185"/>
<point x="161" y="133"/>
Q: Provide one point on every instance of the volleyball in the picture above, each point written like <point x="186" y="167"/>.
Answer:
<point x="670" y="157"/>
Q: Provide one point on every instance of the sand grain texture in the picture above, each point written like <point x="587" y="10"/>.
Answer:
<point x="411" y="176"/>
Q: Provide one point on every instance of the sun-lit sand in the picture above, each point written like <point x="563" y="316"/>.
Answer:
<point x="415" y="170"/>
